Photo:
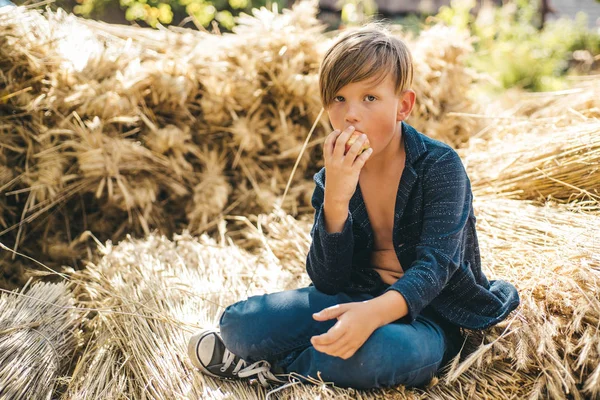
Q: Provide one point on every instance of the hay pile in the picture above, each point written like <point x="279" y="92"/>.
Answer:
<point x="582" y="99"/>
<point x="39" y="334"/>
<point x="121" y="130"/>
<point x="165" y="291"/>
<point x="538" y="160"/>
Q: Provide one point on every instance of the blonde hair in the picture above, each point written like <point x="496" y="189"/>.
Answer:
<point x="362" y="53"/>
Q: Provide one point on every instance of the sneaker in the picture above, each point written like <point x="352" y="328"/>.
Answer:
<point x="208" y="353"/>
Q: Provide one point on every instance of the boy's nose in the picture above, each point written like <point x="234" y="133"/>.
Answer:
<point x="352" y="116"/>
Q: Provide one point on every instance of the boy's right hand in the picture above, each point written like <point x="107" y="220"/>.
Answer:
<point x="342" y="171"/>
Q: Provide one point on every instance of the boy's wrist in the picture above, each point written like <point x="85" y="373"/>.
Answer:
<point x="388" y="307"/>
<point x="335" y="217"/>
<point x="336" y="205"/>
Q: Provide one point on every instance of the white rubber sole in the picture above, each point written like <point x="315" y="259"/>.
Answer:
<point x="193" y="351"/>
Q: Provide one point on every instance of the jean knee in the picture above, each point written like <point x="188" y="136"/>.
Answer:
<point x="409" y="361"/>
<point x="243" y="332"/>
<point x="231" y="327"/>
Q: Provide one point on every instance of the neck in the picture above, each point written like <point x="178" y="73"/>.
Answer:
<point x="390" y="155"/>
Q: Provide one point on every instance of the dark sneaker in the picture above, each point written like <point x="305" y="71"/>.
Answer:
<point x="208" y="352"/>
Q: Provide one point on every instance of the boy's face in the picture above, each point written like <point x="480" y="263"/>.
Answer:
<point x="372" y="109"/>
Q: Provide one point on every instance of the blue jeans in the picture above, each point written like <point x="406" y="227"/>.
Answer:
<point x="277" y="327"/>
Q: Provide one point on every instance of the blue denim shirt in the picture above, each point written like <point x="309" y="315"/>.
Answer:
<point x="434" y="237"/>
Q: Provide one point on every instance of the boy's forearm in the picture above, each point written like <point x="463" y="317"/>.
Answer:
<point x="389" y="307"/>
<point x="336" y="214"/>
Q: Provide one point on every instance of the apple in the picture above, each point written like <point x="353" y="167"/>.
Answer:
<point x="351" y="141"/>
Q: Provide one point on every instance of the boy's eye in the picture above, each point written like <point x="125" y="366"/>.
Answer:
<point x="369" y="97"/>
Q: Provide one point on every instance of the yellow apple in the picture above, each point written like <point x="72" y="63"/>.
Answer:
<point x="351" y="141"/>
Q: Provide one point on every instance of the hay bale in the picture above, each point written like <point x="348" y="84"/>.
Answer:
<point x="551" y="345"/>
<point x="151" y="295"/>
<point x="443" y="85"/>
<point x="537" y="160"/>
<point x="580" y="99"/>
<point x="39" y="334"/>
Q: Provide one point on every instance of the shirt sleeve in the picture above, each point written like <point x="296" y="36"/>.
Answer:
<point x="447" y="201"/>
<point x="329" y="260"/>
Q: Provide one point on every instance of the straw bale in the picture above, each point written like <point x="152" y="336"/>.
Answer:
<point x="582" y="96"/>
<point x="537" y="160"/>
<point x="443" y="85"/>
<point x="154" y="294"/>
<point x="211" y="194"/>
<point x="6" y="175"/>
<point x="12" y="272"/>
<point x="10" y="148"/>
<point x="39" y="334"/>
<point x="22" y="61"/>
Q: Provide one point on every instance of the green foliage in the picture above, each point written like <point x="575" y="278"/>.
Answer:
<point x="154" y="12"/>
<point x="356" y="12"/>
<point x="510" y="45"/>
<point x="205" y="12"/>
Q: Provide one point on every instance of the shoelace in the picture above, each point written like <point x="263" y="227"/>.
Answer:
<point x="262" y="369"/>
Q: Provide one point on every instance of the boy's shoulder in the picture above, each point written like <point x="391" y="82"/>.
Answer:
<point x="430" y="147"/>
<point x="420" y="149"/>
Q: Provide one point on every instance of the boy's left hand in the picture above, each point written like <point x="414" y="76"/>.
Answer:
<point x="355" y="324"/>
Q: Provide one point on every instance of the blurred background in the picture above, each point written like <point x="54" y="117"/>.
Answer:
<point x="567" y="44"/>
<point x="204" y="13"/>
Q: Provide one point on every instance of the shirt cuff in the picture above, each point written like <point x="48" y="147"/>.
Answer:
<point x="412" y="297"/>
<point x="336" y="241"/>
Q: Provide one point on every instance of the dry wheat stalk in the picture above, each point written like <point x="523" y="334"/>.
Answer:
<point x="39" y="334"/>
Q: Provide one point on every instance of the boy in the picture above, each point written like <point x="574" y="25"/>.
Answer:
<point x="394" y="259"/>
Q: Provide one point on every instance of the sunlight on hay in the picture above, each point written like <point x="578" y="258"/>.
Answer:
<point x="158" y="293"/>
<point x="442" y="84"/>
<point x="582" y="98"/>
<point x="39" y="333"/>
<point x="537" y="160"/>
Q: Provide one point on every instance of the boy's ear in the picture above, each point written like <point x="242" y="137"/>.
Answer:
<point x="406" y="102"/>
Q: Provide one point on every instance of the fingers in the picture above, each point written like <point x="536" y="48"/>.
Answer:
<point x="329" y="312"/>
<point x="356" y="144"/>
<point x="336" y="144"/>
<point x="360" y="161"/>
<point x="340" y="143"/>
<point x="329" y="143"/>
<point x="349" y="353"/>
<point x="334" y="342"/>
<point x="337" y="349"/>
<point x="332" y="335"/>
<point x="342" y="348"/>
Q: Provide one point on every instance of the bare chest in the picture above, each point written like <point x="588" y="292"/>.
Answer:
<point x="379" y="195"/>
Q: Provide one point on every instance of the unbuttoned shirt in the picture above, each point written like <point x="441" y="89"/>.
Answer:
<point x="434" y="238"/>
